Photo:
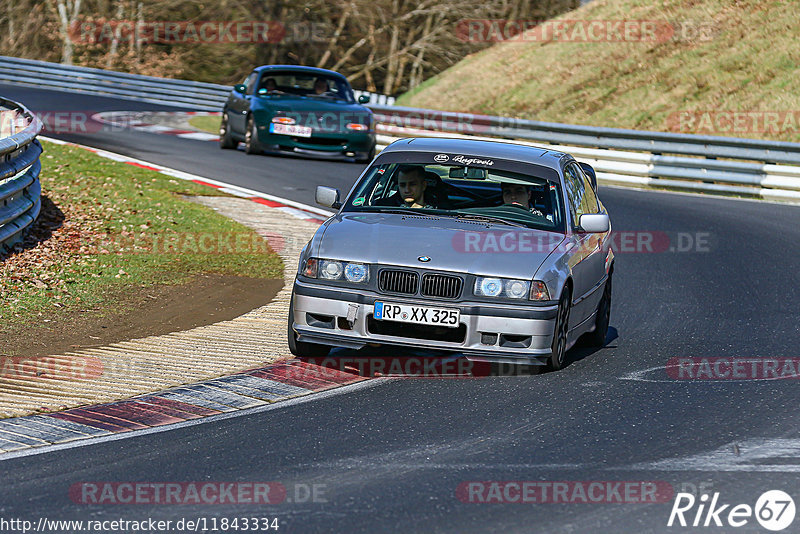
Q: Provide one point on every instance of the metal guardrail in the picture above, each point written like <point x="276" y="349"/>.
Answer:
<point x="20" y="191"/>
<point x="731" y="165"/>
<point x="198" y="96"/>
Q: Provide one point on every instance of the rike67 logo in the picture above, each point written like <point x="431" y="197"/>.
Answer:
<point x="774" y="510"/>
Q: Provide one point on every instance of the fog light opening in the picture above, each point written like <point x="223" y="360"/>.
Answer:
<point x="488" y="338"/>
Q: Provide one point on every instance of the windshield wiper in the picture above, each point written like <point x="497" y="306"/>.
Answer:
<point x="487" y="218"/>
<point x="403" y="211"/>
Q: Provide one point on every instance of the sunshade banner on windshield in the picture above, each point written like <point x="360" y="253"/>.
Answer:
<point x="469" y="160"/>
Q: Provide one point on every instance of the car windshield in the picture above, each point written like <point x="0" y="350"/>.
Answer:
<point x="293" y="83"/>
<point x="488" y="195"/>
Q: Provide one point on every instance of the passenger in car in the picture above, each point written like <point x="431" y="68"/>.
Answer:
<point x="320" y="86"/>
<point x="519" y="195"/>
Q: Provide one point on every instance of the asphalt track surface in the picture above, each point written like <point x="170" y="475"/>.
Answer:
<point x="390" y="457"/>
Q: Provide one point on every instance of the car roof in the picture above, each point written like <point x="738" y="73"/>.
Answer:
<point x="300" y="68"/>
<point x="479" y="148"/>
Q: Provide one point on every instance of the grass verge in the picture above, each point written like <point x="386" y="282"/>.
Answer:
<point x="722" y="57"/>
<point x="206" y="123"/>
<point x="109" y="230"/>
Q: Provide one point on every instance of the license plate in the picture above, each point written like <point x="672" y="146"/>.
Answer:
<point x="404" y="313"/>
<point x="290" y="129"/>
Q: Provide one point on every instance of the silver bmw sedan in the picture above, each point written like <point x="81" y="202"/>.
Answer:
<point x="497" y="251"/>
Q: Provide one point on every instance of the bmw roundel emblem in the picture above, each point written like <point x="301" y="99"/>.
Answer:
<point x="424" y="259"/>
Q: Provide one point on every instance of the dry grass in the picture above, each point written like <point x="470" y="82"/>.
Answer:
<point x="748" y="61"/>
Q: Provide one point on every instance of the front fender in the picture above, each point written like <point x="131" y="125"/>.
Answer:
<point x="554" y="272"/>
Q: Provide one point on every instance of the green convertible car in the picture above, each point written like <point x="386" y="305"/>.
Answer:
<point x="302" y="110"/>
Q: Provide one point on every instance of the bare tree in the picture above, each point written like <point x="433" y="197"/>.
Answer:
<point x="385" y="45"/>
<point x="68" y="11"/>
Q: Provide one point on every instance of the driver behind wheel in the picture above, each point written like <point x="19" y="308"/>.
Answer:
<point x="519" y="195"/>
<point x="411" y="186"/>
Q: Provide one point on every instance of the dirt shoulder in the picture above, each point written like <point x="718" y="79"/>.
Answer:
<point x="149" y="311"/>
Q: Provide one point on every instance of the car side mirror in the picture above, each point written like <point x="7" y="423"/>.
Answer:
<point x="589" y="170"/>
<point x="240" y="88"/>
<point x="363" y="99"/>
<point x="594" y="223"/>
<point x="328" y="197"/>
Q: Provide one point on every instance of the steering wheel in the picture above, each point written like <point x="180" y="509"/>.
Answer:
<point x="516" y="205"/>
<point x="533" y="211"/>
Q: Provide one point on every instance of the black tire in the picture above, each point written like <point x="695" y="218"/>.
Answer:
<point x="251" y="138"/>
<point x="557" y="359"/>
<point x="299" y="348"/>
<point x="225" y="139"/>
<point x="370" y="156"/>
<point x="598" y="337"/>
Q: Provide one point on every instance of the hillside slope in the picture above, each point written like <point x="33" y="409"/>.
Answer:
<point x="715" y="67"/>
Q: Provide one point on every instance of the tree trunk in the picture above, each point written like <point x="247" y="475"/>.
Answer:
<point x="416" y="68"/>
<point x="335" y="38"/>
<point x="68" y="11"/>
<point x="112" y="52"/>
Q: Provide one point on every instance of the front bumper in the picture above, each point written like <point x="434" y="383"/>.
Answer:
<point x="321" y="144"/>
<point x="488" y="332"/>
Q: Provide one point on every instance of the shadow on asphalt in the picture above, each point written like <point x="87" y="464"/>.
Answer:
<point x="394" y="362"/>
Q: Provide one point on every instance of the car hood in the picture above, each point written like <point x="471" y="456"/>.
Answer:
<point x="452" y="245"/>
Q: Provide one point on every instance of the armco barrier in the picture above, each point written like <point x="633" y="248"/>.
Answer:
<point x="728" y="165"/>
<point x="20" y="192"/>
<point x="198" y="96"/>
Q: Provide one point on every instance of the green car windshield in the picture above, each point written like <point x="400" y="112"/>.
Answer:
<point x="293" y="83"/>
<point x="490" y="195"/>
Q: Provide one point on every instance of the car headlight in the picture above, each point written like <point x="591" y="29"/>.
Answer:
<point x="283" y="120"/>
<point x="501" y="287"/>
<point x="516" y="289"/>
<point x="357" y="127"/>
<point x="354" y="272"/>
<point x="488" y="287"/>
<point x="330" y="270"/>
